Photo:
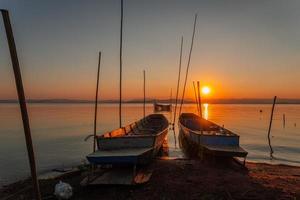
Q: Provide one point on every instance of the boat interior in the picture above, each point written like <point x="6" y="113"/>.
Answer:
<point x="203" y="126"/>
<point x="150" y="125"/>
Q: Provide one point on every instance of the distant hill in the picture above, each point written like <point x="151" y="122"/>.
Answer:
<point x="211" y="101"/>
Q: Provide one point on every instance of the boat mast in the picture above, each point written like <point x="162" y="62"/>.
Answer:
<point x="22" y="101"/>
<point x="188" y="65"/>
<point x="96" y="103"/>
<point x="178" y="81"/>
<point x="120" y="87"/>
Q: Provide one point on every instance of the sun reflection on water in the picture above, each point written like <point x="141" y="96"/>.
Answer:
<point x="205" y="105"/>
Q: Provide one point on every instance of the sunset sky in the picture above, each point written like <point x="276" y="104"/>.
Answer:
<point x="242" y="49"/>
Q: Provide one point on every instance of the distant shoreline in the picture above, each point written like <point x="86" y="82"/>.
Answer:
<point x="150" y="101"/>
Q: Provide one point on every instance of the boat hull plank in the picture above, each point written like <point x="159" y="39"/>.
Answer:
<point x="120" y="156"/>
<point x="231" y="151"/>
<point x="125" y="142"/>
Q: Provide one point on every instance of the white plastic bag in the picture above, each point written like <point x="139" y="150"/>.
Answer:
<point x="63" y="190"/>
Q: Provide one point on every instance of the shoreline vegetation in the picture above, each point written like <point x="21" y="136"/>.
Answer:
<point x="148" y="101"/>
<point x="181" y="179"/>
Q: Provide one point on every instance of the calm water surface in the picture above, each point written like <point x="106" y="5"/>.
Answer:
<point x="58" y="132"/>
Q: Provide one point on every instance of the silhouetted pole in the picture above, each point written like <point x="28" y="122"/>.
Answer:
<point x="171" y="97"/>
<point x="144" y="108"/>
<point x="178" y="81"/>
<point x="196" y="98"/>
<point x="283" y="120"/>
<point x="22" y="101"/>
<point x="121" y="48"/>
<point x="96" y="103"/>
<point x="199" y="98"/>
<point x="188" y="64"/>
<point x="270" y="126"/>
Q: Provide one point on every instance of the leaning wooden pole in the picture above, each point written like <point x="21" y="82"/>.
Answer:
<point x="121" y="51"/>
<point x="196" y="98"/>
<point x="199" y="98"/>
<point x="178" y="81"/>
<point x="188" y="65"/>
<point x="144" y="106"/>
<point x="22" y="101"/>
<point x="270" y="126"/>
<point x="96" y="103"/>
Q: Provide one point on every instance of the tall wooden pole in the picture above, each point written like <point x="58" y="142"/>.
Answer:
<point x="96" y="103"/>
<point x="270" y="126"/>
<point x="22" y="101"/>
<point x="199" y="98"/>
<point x="196" y="98"/>
<point x="144" y="106"/>
<point x="121" y="48"/>
<point x="178" y="81"/>
<point x="171" y="97"/>
<point x="188" y="64"/>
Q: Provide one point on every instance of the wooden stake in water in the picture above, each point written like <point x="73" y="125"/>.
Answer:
<point x="144" y="107"/>
<point x="22" y="101"/>
<point x="96" y="103"/>
<point x="178" y="81"/>
<point x="121" y="51"/>
<point x="283" y="120"/>
<point x="199" y="98"/>
<point x="171" y="97"/>
<point x="270" y="126"/>
<point x="196" y="98"/>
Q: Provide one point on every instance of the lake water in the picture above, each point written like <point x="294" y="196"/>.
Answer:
<point x="58" y="132"/>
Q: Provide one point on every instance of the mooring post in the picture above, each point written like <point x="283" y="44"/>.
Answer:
<point x="270" y="126"/>
<point x="283" y="120"/>
<point x="188" y="64"/>
<point x="121" y="53"/>
<point x="196" y="98"/>
<point x="199" y="98"/>
<point x="22" y="101"/>
<point x="178" y="81"/>
<point x="96" y="103"/>
<point x="144" y="104"/>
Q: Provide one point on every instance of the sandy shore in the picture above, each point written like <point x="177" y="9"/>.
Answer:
<point x="184" y="179"/>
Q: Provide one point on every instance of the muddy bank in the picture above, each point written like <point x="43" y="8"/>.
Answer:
<point x="184" y="179"/>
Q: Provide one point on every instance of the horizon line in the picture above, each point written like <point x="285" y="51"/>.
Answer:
<point x="152" y="100"/>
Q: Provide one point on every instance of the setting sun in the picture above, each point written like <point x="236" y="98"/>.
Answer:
<point x="205" y="90"/>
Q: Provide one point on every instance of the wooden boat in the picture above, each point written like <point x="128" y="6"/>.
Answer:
<point x="136" y="143"/>
<point x="210" y="137"/>
<point x="159" y="107"/>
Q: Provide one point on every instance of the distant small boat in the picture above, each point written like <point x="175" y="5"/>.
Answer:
<point x="159" y="107"/>
<point x="210" y="137"/>
<point x="136" y="143"/>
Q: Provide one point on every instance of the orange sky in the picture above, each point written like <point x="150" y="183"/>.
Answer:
<point x="241" y="50"/>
